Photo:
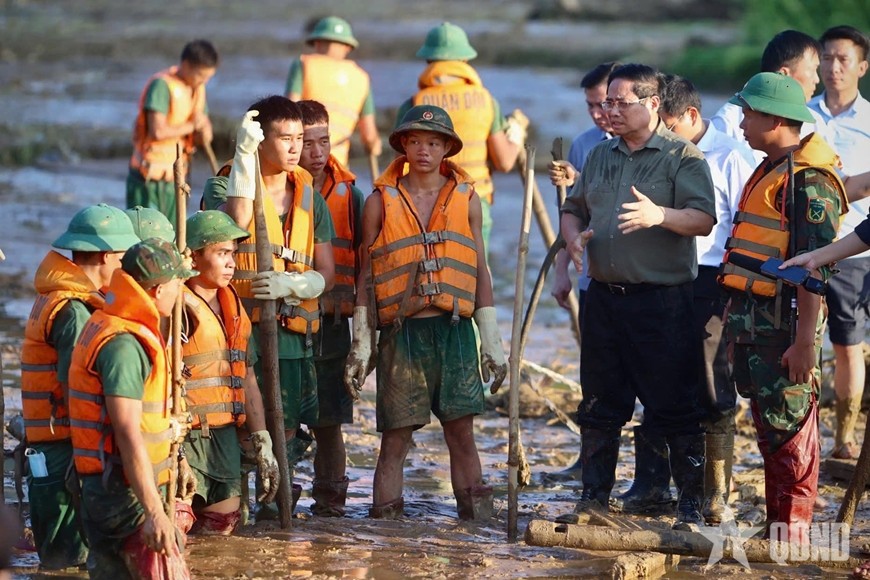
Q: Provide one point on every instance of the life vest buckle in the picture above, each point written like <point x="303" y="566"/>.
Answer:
<point x="288" y="254"/>
<point x="238" y="409"/>
<point x="431" y="265"/>
<point x="432" y="237"/>
<point x="429" y="289"/>
<point x="235" y="382"/>
<point x="236" y="355"/>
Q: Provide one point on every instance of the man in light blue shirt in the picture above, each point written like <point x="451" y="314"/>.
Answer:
<point x="846" y="117"/>
<point x="594" y="85"/>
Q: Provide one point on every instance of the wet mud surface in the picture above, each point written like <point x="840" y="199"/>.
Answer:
<point x="69" y="95"/>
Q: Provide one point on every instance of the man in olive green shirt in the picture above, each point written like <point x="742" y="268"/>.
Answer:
<point x="641" y="200"/>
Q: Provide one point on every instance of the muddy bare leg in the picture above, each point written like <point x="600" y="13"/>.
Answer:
<point x="330" y="459"/>
<point x="473" y="499"/>
<point x="389" y="476"/>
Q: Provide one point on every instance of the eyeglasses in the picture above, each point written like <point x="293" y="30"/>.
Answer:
<point x="621" y="105"/>
<point x="676" y="120"/>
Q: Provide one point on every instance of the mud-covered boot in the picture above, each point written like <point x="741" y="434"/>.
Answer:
<point x="474" y="503"/>
<point x="687" y="467"/>
<point x="651" y="489"/>
<point x="390" y="510"/>
<point x="717" y="477"/>
<point x="329" y="497"/>
<point x="599" y="454"/>
<point x="847" y="411"/>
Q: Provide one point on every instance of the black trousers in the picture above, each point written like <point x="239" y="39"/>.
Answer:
<point x="641" y="344"/>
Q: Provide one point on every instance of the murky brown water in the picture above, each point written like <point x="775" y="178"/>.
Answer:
<point x="96" y="95"/>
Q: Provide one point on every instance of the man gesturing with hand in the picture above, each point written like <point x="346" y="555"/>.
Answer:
<point x="641" y="199"/>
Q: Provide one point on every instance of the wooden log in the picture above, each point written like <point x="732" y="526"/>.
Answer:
<point x="269" y="357"/>
<point x="598" y="538"/>
<point x="858" y="482"/>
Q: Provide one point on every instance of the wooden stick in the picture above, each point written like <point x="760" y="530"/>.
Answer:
<point x="569" y="423"/>
<point x="516" y="352"/>
<point x="211" y="157"/>
<point x="537" y="291"/>
<point x="373" y="166"/>
<point x="573" y="385"/>
<point x="591" y="537"/>
<point x="182" y="190"/>
<point x="561" y="190"/>
<point x="556" y="152"/>
<point x="269" y="358"/>
<point x="856" y="487"/>
<point x="546" y="227"/>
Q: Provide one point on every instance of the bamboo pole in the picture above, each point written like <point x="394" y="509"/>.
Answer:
<point x="573" y="302"/>
<point x="212" y="160"/>
<point x="516" y="356"/>
<point x="182" y="190"/>
<point x="373" y="166"/>
<point x="269" y="357"/>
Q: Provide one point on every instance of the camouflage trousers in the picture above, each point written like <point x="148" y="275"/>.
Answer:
<point x="782" y="404"/>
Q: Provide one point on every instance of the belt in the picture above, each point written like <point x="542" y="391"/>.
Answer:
<point x="626" y="289"/>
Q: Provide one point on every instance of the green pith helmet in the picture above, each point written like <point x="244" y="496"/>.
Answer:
<point x="774" y="94"/>
<point x="98" y="228"/>
<point x="210" y="227"/>
<point x="446" y="42"/>
<point x="155" y="261"/>
<point x="150" y="223"/>
<point x="426" y="118"/>
<point x="334" y="29"/>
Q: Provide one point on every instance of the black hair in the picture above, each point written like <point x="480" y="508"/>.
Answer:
<point x="313" y="113"/>
<point x="678" y="95"/>
<point x="845" y="32"/>
<point x="200" y="53"/>
<point x="598" y="75"/>
<point x="646" y="79"/>
<point x="786" y="49"/>
<point x="275" y="108"/>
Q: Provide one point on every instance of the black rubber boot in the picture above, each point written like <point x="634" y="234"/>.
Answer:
<point x="651" y="490"/>
<point x="599" y="454"/>
<point x="687" y="467"/>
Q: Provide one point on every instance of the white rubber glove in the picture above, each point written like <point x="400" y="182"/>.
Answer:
<point x="243" y="174"/>
<point x="516" y="129"/>
<point x="362" y="358"/>
<point x="492" y="360"/>
<point x="288" y="285"/>
<point x="267" y="465"/>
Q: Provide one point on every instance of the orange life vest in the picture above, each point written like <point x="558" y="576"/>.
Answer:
<point x="416" y="266"/>
<point x="342" y="86"/>
<point x="154" y="158"/>
<point x="128" y="310"/>
<point x="761" y="227"/>
<point x="214" y="358"/>
<point x="455" y="87"/>
<point x="338" y="193"/>
<point x="58" y="280"/>
<point x="292" y="249"/>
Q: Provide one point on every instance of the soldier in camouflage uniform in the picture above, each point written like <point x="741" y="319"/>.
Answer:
<point x="776" y="366"/>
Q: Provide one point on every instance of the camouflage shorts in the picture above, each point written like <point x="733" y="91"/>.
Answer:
<point x="782" y="404"/>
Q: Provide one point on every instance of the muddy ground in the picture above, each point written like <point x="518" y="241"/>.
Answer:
<point x="69" y="78"/>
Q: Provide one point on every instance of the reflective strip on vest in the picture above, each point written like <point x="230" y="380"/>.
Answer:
<point x="36" y="395"/>
<point x="234" y="408"/>
<point x="432" y="265"/>
<point x="751" y="246"/>
<point x="428" y="289"/>
<point x="231" y="355"/>
<point x="64" y="422"/>
<point x="425" y="238"/>
<point x="229" y="381"/>
<point x="279" y="251"/>
<point x="342" y="243"/>
<point x="38" y="368"/>
<point x="757" y="220"/>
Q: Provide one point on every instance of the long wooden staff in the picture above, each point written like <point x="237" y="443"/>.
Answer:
<point x="516" y="357"/>
<point x="269" y="358"/>
<point x="209" y="152"/>
<point x="856" y="487"/>
<point x="573" y="303"/>
<point x="182" y="190"/>
<point x="373" y="166"/>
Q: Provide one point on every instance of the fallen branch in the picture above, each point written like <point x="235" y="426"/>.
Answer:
<point x="570" y="383"/>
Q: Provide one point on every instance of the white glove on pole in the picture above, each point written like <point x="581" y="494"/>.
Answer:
<point x="289" y="285"/>
<point x="360" y="361"/>
<point x="267" y="465"/>
<point x="243" y="173"/>
<point x="517" y="128"/>
<point x="492" y="360"/>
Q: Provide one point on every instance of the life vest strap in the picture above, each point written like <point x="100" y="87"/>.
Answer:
<point x="425" y="238"/>
<point x="757" y="220"/>
<point x="232" y="355"/>
<point x="232" y="382"/>
<point x="750" y="246"/>
<point x="33" y="368"/>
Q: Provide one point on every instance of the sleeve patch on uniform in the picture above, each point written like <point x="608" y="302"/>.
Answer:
<point x="817" y="210"/>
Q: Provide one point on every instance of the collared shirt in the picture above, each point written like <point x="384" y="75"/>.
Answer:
<point x="850" y="137"/>
<point x="730" y="167"/>
<point x="670" y="171"/>
<point x="728" y="118"/>
<point x="580" y="148"/>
